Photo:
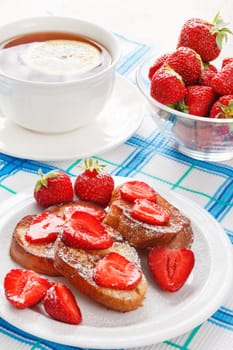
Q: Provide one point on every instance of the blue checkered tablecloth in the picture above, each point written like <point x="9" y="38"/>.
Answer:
<point x="145" y="155"/>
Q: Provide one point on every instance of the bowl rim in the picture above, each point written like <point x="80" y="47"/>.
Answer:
<point x="139" y="73"/>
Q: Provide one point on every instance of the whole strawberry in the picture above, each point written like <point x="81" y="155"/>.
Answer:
<point x="207" y="74"/>
<point x="167" y="86"/>
<point x="223" y="107"/>
<point x="198" y="100"/>
<point x="53" y="188"/>
<point x="204" y="37"/>
<point x="222" y="82"/>
<point x="93" y="184"/>
<point x="187" y="63"/>
<point x="157" y="64"/>
<point x="226" y="61"/>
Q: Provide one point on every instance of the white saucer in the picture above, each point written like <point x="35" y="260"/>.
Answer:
<point x="120" y="118"/>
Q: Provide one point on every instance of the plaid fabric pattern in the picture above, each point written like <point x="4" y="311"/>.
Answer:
<point x="145" y="155"/>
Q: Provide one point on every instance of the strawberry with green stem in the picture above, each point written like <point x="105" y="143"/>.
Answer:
<point x="198" y="100"/>
<point x="206" y="38"/>
<point x="53" y="188"/>
<point x="167" y="86"/>
<point x="222" y="108"/>
<point x="93" y="184"/>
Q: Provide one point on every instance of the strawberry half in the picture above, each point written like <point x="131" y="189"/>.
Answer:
<point x="132" y="190"/>
<point x="85" y="231"/>
<point x="60" y="303"/>
<point x="171" y="267"/>
<point x="149" y="212"/>
<point x="25" y="288"/>
<point x="115" y="271"/>
<point x="98" y="213"/>
<point x="44" y="228"/>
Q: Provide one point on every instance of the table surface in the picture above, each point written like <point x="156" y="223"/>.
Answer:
<point x="141" y="26"/>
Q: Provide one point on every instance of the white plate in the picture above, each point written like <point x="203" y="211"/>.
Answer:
<point x="163" y="316"/>
<point x="120" y="118"/>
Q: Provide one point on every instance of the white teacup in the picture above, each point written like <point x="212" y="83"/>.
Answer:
<point x="56" y="106"/>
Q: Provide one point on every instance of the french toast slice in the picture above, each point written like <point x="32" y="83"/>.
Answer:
<point x="35" y="256"/>
<point x="177" y="233"/>
<point x="78" y="265"/>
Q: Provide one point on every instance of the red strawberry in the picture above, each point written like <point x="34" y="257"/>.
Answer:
<point x="222" y="82"/>
<point x="226" y="61"/>
<point x="198" y="100"/>
<point x="171" y="267"/>
<point x="149" y="212"/>
<point x="132" y="190"/>
<point x="210" y="66"/>
<point x="206" y="77"/>
<point x="204" y="37"/>
<point x="44" y="228"/>
<point x="60" y="304"/>
<point x="167" y="86"/>
<point x="53" y="188"/>
<point x="157" y="64"/>
<point x="187" y="63"/>
<point x="207" y="74"/>
<point x="97" y="212"/>
<point x="93" y="184"/>
<point x="223" y="107"/>
<point x="115" y="271"/>
<point x="85" y="231"/>
<point x="24" y="288"/>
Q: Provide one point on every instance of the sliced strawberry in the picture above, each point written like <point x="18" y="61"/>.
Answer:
<point x="132" y="190"/>
<point x="171" y="267"/>
<point x="98" y="213"/>
<point x="115" y="271"/>
<point x="85" y="231"/>
<point x="60" y="304"/>
<point x="44" y="228"/>
<point x="149" y="212"/>
<point x="25" y="288"/>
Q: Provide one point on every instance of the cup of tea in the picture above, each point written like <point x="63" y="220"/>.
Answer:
<point x="56" y="73"/>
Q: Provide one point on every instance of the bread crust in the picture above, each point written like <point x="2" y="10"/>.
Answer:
<point x="37" y="257"/>
<point x="78" y="265"/>
<point x="176" y="234"/>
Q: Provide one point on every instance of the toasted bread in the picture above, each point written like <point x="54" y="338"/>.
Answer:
<point x="38" y="257"/>
<point x="77" y="265"/>
<point x="176" y="234"/>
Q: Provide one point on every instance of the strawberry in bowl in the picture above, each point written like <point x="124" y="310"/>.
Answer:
<point x="182" y="86"/>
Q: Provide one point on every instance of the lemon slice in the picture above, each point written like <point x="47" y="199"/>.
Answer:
<point x="57" y="57"/>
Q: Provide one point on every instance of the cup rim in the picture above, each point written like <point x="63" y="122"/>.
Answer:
<point x="30" y="20"/>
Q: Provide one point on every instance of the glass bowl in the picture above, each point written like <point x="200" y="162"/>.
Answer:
<point x="201" y="138"/>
